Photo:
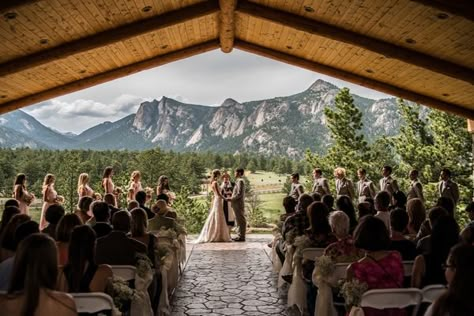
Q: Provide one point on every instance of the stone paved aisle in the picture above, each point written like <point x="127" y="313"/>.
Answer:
<point x="228" y="279"/>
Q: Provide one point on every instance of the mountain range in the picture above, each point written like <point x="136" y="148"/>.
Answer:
<point x="279" y="126"/>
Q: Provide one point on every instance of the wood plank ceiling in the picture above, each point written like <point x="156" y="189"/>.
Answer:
<point x="416" y="49"/>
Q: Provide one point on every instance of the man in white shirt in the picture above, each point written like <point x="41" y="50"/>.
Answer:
<point x="448" y="188"/>
<point x="365" y="187"/>
<point x="381" y="203"/>
<point x="387" y="183"/>
<point x="320" y="184"/>
<point x="416" y="188"/>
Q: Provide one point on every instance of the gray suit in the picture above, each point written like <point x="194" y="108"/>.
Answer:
<point x="389" y="184"/>
<point x="238" y="205"/>
<point x="416" y="191"/>
<point x="450" y="190"/>
<point x="365" y="189"/>
<point x="321" y="186"/>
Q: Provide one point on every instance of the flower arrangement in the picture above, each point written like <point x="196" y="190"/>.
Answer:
<point x="164" y="254"/>
<point x="117" y="191"/>
<point x="143" y="265"/>
<point x="121" y="293"/>
<point x="59" y="199"/>
<point x="325" y="267"/>
<point x="180" y="230"/>
<point x="28" y="198"/>
<point x="167" y="233"/>
<point x="301" y="243"/>
<point x="352" y="291"/>
<point x="290" y="236"/>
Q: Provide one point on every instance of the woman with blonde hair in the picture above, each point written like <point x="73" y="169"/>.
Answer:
<point x="416" y="216"/>
<point x="107" y="183"/>
<point x="20" y="193"/>
<point x="134" y="186"/>
<point x="83" y="188"/>
<point x="344" y="186"/>
<point x="50" y="197"/>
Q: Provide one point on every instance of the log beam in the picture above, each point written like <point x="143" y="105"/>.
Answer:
<point x="331" y="32"/>
<point x="227" y="24"/>
<point x="354" y="78"/>
<point x="8" y="5"/>
<point x="108" y="37"/>
<point x="109" y="75"/>
<point x="464" y="8"/>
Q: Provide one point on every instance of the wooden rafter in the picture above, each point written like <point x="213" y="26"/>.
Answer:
<point x="464" y="8"/>
<point x="336" y="33"/>
<point x="6" y="5"/>
<point x="354" y="78"/>
<point x="110" y="75"/>
<point x="111" y="36"/>
<point x="227" y="24"/>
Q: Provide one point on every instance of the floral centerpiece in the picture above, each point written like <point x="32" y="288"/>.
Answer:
<point x="352" y="291"/>
<point x="121" y="293"/>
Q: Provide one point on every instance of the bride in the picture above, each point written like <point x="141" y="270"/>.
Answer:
<point x="215" y="228"/>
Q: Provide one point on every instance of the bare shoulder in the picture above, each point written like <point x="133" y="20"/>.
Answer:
<point x="105" y="270"/>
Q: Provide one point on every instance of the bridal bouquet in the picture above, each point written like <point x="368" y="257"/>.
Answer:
<point x="121" y="293"/>
<point x="28" y="198"/>
<point x="143" y="265"/>
<point x="59" y="199"/>
<point x="352" y="291"/>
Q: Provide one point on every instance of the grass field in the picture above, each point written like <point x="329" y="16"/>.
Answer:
<point x="272" y="205"/>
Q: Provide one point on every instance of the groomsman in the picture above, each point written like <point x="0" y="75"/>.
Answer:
<point x="416" y="188"/>
<point x="448" y="188"/>
<point x="320" y="184"/>
<point x="365" y="187"/>
<point x="387" y="183"/>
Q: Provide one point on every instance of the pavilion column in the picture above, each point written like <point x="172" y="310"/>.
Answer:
<point x="470" y="129"/>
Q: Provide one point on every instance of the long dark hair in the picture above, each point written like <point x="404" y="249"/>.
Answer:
<point x="457" y="299"/>
<point x="107" y="172"/>
<point x="344" y="203"/>
<point x="35" y="267"/>
<point x="318" y="214"/>
<point x="20" y="180"/>
<point x="81" y="252"/>
<point x="445" y="234"/>
<point x="161" y="184"/>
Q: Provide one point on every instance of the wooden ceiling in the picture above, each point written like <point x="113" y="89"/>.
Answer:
<point x="420" y="50"/>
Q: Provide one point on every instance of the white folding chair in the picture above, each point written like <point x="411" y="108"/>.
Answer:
<point x="312" y="253"/>
<point x="93" y="302"/>
<point x="341" y="268"/>
<point x="432" y="292"/>
<point x="125" y="272"/>
<point x="392" y="298"/>
<point x="408" y="268"/>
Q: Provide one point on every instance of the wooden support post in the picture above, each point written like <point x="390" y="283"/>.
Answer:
<point x="309" y="26"/>
<point x="109" y="75"/>
<point x="354" y="78"/>
<point x="227" y="24"/>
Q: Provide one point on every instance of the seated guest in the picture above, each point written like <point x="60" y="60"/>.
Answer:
<point x="112" y="203"/>
<point x="53" y="214"/>
<point x="380" y="268"/>
<point x="344" y="203"/>
<point x="298" y="222"/>
<point x="7" y="214"/>
<point x="416" y="216"/>
<point x="328" y="200"/>
<point x="7" y="240"/>
<point x="81" y="274"/>
<point x="160" y="219"/>
<point x="365" y="208"/>
<point x="63" y="235"/>
<point x="132" y="204"/>
<point x="428" y="268"/>
<point x="289" y="204"/>
<point x="423" y="245"/>
<point x="447" y="204"/>
<point x="141" y="199"/>
<point x="11" y="202"/>
<point x="33" y="282"/>
<point x="316" y="196"/>
<point x="116" y="248"/>
<point x="470" y="212"/>
<point x="457" y="300"/>
<point x="467" y="235"/>
<point x="399" y="200"/>
<point x="398" y="224"/>
<point x="343" y="250"/>
<point x="102" y="219"/>
<point x="6" y="267"/>
<point x="382" y="202"/>
<point x="171" y="212"/>
<point x="83" y="208"/>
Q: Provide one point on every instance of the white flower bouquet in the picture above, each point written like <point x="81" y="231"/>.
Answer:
<point x="301" y="243"/>
<point x="352" y="291"/>
<point x="121" y="293"/>
<point x="325" y="267"/>
<point x="143" y="265"/>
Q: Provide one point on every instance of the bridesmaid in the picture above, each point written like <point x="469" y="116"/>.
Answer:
<point x="50" y="197"/>
<point x="107" y="183"/>
<point x="135" y="185"/>
<point x="83" y="188"/>
<point x="20" y="193"/>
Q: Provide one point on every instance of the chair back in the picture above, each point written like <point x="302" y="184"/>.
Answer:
<point x="392" y="298"/>
<point x="312" y="253"/>
<point x="341" y="268"/>
<point x="125" y="272"/>
<point x="408" y="268"/>
<point x="432" y="292"/>
<point x="93" y="302"/>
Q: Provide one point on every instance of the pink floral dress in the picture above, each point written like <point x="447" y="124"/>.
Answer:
<point x="385" y="273"/>
<point x="343" y="251"/>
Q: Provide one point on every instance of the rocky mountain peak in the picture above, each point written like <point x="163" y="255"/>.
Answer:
<point x="229" y="102"/>
<point x="322" y="86"/>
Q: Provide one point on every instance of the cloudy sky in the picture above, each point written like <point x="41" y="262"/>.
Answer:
<point x="206" y="79"/>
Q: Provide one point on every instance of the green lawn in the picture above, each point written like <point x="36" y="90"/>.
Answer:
<point x="272" y="206"/>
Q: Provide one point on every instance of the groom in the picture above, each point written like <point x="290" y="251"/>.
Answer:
<point x="238" y="204"/>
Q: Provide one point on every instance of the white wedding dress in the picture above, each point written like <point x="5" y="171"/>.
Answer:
<point x="215" y="229"/>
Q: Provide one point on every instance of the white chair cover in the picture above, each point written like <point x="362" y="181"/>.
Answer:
<point x="297" y="290"/>
<point x="276" y="263"/>
<point x="392" y="298"/>
<point x="125" y="272"/>
<point x="141" y="306"/>
<point x="324" y="301"/>
<point x="432" y="292"/>
<point x="287" y="267"/>
<point x="164" y="304"/>
<point x="312" y="253"/>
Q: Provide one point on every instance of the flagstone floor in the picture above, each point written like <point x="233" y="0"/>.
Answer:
<point x="229" y="279"/>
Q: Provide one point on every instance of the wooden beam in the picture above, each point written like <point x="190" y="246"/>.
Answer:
<point x="371" y="44"/>
<point x="354" y="78"/>
<point x="111" y="36"/>
<point x="227" y="24"/>
<point x="8" y="5"/>
<point x="464" y="8"/>
<point x="109" y="75"/>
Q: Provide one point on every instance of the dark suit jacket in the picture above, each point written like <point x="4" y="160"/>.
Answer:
<point x="149" y="213"/>
<point x="102" y="229"/>
<point x="117" y="249"/>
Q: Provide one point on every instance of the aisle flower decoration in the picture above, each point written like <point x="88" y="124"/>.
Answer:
<point x="167" y="233"/>
<point x="143" y="265"/>
<point x="121" y="293"/>
<point x="180" y="230"/>
<point x="325" y="267"/>
<point x="164" y="254"/>
<point x="301" y="243"/>
<point x="352" y="291"/>
<point x="290" y="236"/>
